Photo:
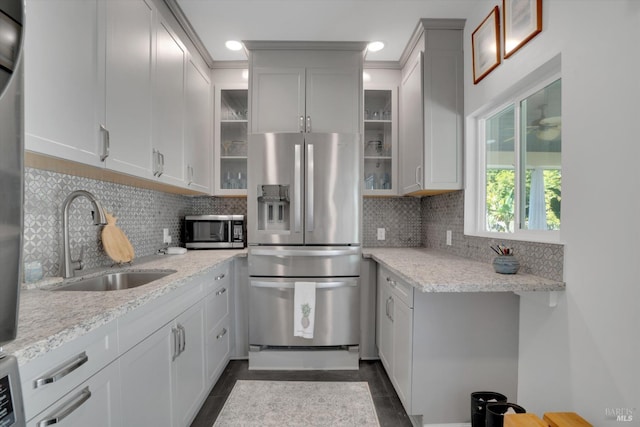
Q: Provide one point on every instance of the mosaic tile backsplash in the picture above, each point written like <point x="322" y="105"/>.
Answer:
<point x="399" y="216"/>
<point x="446" y="212"/>
<point x="142" y="214"/>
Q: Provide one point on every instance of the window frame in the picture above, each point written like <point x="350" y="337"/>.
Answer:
<point x="475" y="223"/>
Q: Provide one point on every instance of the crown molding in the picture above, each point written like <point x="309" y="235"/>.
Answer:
<point x="191" y="33"/>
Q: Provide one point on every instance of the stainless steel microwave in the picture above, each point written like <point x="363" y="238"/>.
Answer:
<point x="214" y="231"/>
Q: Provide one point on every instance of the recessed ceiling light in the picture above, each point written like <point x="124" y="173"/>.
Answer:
<point x="233" y="45"/>
<point x="375" y="46"/>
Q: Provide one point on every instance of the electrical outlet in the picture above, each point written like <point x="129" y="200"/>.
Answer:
<point x="381" y="232"/>
<point x="166" y="238"/>
<point x="448" y="237"/>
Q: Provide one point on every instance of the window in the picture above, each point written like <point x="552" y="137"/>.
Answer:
<point x="521" y="173"/>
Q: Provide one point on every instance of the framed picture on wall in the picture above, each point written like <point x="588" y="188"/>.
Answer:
<point x="522" y="21"/>
<point x="485" y="44"/>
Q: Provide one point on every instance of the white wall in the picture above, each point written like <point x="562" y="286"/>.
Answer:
<point x="584" y="354"/>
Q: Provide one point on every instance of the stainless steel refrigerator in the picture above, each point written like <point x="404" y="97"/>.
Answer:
<point x="11" y="196"/>
<point x="304" y="212"/>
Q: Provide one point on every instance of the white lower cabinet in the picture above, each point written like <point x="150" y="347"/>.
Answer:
<point x="395" y="317"/>
<point x="437" y="348"/>
<point x="153" y="366"/>
<point x="163" y="377"/>
<point x="189" y="384"/>
<point x="95" y="402"/>
<point x="146" y="380"/>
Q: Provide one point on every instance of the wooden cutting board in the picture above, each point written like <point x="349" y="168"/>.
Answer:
<point x="115" y="242"/>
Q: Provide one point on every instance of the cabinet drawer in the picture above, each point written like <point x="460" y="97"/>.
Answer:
<point x="218" y="345"/>
<point x="399" y="288"/>
<point x="137" y="325"/>
<point x="217" y="304"/>
<point x="51" y="376"/>
<point x="96" y="403"/>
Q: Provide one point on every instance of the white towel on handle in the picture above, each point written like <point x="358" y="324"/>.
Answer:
<point x="304" y="309"/>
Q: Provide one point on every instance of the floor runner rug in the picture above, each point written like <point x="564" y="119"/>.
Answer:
<point x="298" y="403"/>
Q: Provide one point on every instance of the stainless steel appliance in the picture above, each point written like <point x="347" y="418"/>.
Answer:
<point x="11" y="194"/>
<point x="214" y="231"/>
<point x="304" y="209"/>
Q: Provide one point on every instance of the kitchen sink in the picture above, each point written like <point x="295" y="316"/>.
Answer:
<point x="114" y="281"/>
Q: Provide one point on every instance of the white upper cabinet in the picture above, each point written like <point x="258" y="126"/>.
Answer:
<point x="334" y="98"/>
<point x="198" y="143"/>
<point x="381" y="132"/>
<point x="295" y="88"/>
<point x="431" y="109"/>
<point x="168" y="106"/>
<point x="277" y="102"/>
<point x="62" y="75"/>
<point x="111" y="84"/>
<point x="129" y="30"/>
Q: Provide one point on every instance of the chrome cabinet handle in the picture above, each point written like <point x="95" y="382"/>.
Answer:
<point x="301" y="124"/>
<point x="189" y="175"/>
<point x="161" y="163"/>
<point x="62" y="370"/>
<point x="176" y="343"/>
<point x="221" y="334"/>
<point x="106" y="144"/>
<point x="387" y="306"/>
<point x="418" y="173"/>
<point x="308" y="124"/>
<point x="221" y="291"/>
<point x="156" y="162"/>
<point x="67" y="408"/>
<point x="390" y="302"/>
<point x="310" y="185"/>
<point x="183" y="338"/>
<point x="220" y="277"/>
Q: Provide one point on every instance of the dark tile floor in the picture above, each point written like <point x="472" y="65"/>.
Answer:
<point x="388" y="406"/>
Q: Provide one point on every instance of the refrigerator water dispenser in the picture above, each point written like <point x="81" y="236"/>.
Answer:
<point x="273" y="207"/>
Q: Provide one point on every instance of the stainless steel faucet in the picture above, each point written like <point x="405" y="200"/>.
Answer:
<point x="68" y="266"/>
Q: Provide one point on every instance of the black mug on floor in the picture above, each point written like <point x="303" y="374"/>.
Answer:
<point x="496" y="411"/>
<point x="479" y="400"/>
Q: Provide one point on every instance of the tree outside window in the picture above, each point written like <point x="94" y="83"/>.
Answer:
<point x="523" y="171"/>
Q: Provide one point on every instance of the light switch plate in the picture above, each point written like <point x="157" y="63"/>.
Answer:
<point x="381" y="233"/>
<point x="448" y="237"/>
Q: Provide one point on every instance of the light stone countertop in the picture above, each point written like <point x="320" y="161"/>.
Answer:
<point x="47" y="319"/>
<point x="429" y="270"/>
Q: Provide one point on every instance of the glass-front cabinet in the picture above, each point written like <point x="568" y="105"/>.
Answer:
<point x="380" y="141"/>
<point x="231" y="142"/>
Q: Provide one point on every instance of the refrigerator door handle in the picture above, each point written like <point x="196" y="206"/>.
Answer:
<point x="280" y="252"/>
<point x="290" y="285"/>
<point x="297" y="182"/>
<point x="310" y="173"/>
